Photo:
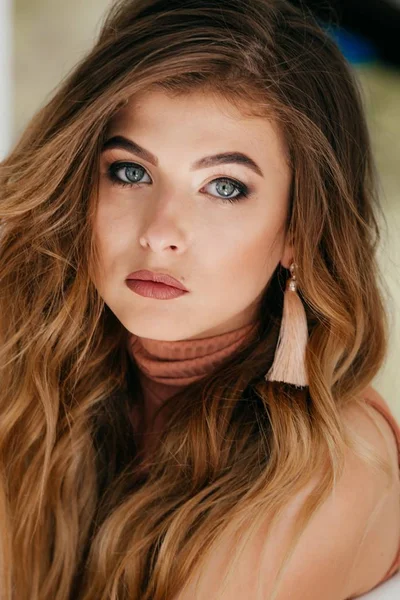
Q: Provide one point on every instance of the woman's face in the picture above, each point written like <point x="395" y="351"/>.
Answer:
<point x="189" y="220"/>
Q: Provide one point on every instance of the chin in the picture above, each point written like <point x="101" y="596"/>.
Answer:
<point x="155" y="332"/>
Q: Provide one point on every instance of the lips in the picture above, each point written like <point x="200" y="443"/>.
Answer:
<point x="145" y="275"/>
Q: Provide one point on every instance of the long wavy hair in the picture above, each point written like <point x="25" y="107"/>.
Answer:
<point x="79" y="518"/>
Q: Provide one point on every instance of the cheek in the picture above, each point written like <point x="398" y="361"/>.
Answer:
<point x="247" y="254"/>
<point x="113" y="231"/>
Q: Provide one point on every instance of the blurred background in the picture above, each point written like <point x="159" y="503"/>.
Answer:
<point x="41" y="41"/>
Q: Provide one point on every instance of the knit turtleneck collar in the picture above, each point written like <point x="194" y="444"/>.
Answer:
<point x="179" y="363"/>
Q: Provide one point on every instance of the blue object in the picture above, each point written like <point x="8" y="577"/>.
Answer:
<point x="355" y="48"/>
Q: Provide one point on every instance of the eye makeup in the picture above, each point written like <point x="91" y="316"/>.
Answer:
<point x="120" y="172"/>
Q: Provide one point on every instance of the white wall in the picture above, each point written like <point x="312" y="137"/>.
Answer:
<point x="50" y="37"/>
<point x="6" y="79"/>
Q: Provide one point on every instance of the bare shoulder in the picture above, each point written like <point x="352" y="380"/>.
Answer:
<point x="351" y="542"/>
<point x="371" y="425"/>
<point x="346" y="548"/>
<point x="379" y="498"/>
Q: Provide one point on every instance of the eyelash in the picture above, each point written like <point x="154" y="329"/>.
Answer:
<point x="244" y="191"/>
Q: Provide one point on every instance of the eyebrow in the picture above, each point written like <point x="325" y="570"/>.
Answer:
<point x="222" y="158"/>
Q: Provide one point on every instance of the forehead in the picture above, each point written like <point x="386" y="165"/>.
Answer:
<point x="195" y="99"/>
<point x="199" y="118"/>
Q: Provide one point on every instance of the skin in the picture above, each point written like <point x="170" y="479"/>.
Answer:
<point x="178" y="221"/>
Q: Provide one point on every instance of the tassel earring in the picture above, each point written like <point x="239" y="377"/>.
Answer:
<point x="289" y="361"/>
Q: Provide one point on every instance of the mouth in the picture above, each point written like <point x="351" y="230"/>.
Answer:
<point x="153" y="289"/>
<point x="157" y="278"/>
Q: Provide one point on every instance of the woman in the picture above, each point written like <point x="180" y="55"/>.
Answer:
<point x="220" y="440"/>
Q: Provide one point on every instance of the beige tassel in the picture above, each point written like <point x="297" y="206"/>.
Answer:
<point x="289" y="361"/>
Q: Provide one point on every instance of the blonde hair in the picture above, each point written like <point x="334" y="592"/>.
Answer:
<point x="78" y="520"/>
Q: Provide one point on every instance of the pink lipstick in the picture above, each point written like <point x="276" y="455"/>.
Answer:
<point x="155" y="285"/>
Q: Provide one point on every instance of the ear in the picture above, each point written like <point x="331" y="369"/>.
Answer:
<point x="288" y="255"/>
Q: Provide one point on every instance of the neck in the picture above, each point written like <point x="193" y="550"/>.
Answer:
<point x="166" y="367"/>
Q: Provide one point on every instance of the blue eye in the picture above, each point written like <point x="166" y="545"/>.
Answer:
<point x="130" y="174"/>
<point x="225" y="182"/>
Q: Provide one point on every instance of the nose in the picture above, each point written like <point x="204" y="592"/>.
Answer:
<point x="156" y="245"/>
<point x="165" y="231"/>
